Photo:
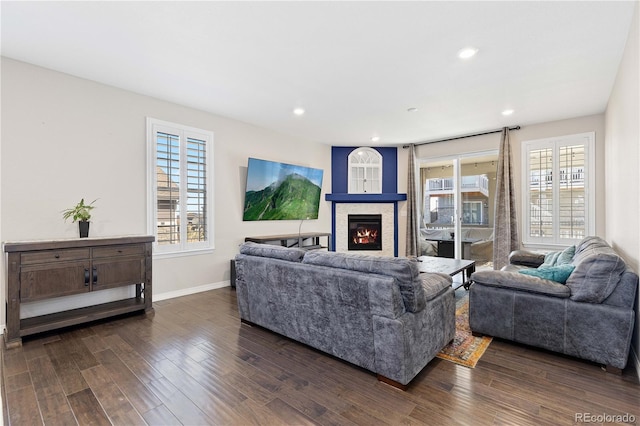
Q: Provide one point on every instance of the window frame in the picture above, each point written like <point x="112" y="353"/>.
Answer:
<point x="555" y="144"/>
<point x="365" y="167"/>
<point x="155" y="126"/>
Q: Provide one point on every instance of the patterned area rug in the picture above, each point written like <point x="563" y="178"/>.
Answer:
<point x="465" y="349"/>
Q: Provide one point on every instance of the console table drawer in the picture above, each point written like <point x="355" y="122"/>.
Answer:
<point x="53" y="256"/>
<point x="128" y="250"/>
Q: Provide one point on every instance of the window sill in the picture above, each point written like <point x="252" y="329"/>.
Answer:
<point x="183" y="253"/>
<point x="544" y="246"/>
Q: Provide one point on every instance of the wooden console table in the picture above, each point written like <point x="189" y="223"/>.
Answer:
<point x="294" y="240"/>
<point x="41" y="270"/>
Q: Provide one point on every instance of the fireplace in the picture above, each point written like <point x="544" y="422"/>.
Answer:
<point x="365" y="232"/>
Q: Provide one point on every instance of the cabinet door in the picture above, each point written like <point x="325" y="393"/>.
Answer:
<point x="117" y="271"/>
<point x="47" y="280"/>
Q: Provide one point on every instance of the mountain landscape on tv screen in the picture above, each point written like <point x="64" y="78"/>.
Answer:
<point x="294" y="197"/>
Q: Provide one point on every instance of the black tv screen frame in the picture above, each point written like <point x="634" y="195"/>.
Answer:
<point x="281" y="191"/>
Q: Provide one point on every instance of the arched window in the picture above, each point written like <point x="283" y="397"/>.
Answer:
<point x="365" y="171"/>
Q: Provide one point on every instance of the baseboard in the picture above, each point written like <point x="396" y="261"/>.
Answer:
<point x="191" y="290"/>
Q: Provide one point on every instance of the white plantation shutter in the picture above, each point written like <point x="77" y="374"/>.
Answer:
<point x="180" y="183"/>
<point x="559" y="189"/>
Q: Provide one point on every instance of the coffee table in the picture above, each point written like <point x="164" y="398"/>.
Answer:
<point x="446" y="246"/>
<point x="450" y="267"/>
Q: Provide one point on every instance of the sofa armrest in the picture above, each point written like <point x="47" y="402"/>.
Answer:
<point x="526" y="258"/>
<point x="520" y="282"/>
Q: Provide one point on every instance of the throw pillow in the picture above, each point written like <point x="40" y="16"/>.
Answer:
<point x="566" y="256"/>
<point x="563" y="257"/>
<point x="558" y="273"/>
<point x="551" y="258"/>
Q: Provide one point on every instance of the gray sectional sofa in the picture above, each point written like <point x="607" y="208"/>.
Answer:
<point x="590" y="316"/>
<point x="378" y="313"/>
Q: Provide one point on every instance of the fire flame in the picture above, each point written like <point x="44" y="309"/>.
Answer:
<point x="365" y="236"/>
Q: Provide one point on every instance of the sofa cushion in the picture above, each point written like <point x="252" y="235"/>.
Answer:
<point x="405" y="272"/>
<point x="558" y="273"/>
<point x="598" y="270"/>
<point x="520" y="282"/>
<point x="276" y="252"/>
<point x="435" y="284"/>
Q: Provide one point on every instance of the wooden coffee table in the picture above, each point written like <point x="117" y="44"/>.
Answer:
<point x="450" y="267"/>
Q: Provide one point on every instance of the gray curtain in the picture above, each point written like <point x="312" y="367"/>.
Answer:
<point x="505" y="225"/>
<point x="412" y="247"/>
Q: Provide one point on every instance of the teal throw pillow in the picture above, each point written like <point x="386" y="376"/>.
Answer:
<point x="563" y="257"/>
<point x="558" y="273"/>
<point x="566" y="256"/>
<point x="551" y="258"/>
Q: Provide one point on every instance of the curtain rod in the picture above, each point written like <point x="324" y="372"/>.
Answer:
<point x="461" y="137"/>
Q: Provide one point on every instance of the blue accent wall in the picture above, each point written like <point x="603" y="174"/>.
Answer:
<point x="340" y="168"/>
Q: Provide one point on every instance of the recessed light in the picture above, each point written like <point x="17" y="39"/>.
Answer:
<point x="298" y="111"/>
<point x="507" y="112"/>
<point x="412" y="109"/>
<point x="467" y="52"/>
<point x="375" y="138"/>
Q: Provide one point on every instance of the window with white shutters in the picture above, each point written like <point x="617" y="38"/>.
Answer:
<point x="180" y="203"/>
<point x="558" y="189"/>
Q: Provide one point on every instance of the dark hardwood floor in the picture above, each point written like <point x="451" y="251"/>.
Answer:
<point x="193" y="363"/>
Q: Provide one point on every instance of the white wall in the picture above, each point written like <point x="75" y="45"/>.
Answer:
<point x="64" y="138"/>
<point x="622" y="150"/>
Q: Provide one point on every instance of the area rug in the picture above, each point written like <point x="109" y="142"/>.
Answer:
<point x="465" y="349"/>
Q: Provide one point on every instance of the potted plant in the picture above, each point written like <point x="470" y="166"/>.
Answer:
<point x="81" y="213"/>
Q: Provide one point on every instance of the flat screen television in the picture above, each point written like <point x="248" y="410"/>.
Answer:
<point x="280" y="191"/>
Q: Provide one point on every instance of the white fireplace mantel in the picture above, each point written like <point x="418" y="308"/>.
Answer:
<point x="385" y="204"/>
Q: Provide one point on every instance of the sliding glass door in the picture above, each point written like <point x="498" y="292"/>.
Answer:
<point x="457" y="206"/>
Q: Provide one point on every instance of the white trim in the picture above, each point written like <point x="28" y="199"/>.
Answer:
<point x="365" y="167"/>
<point x="184" y="248"/>
<point x="554" y="143"/>
<point x="182" y="253"/>
<point x="190" y="290"/>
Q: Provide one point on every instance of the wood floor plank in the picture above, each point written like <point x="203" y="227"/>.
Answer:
<point x="288" y="414"/>
<point x="67" y="370"/>
<point x="179" y="404"/>
<point x="17" y="381"/>
<point x="211" y="404"/>
<point x="115" y="404"/>
<point x="253" y="413"/>
<point x="161" y="415"/>
<point x="87" y="409"/>
<point x="52" y="400"/>
<point x="194" y="363"/>
<point x="14" y="362"/>
<point x="130" y="357"/>
<point x="141" y="397"/>
<point x="23" y="407"/>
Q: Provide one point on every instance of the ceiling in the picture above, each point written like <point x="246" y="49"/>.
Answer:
<point x="355" y="67"/>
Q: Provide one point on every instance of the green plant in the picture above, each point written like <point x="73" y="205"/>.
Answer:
<point x="81" y="211"/>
